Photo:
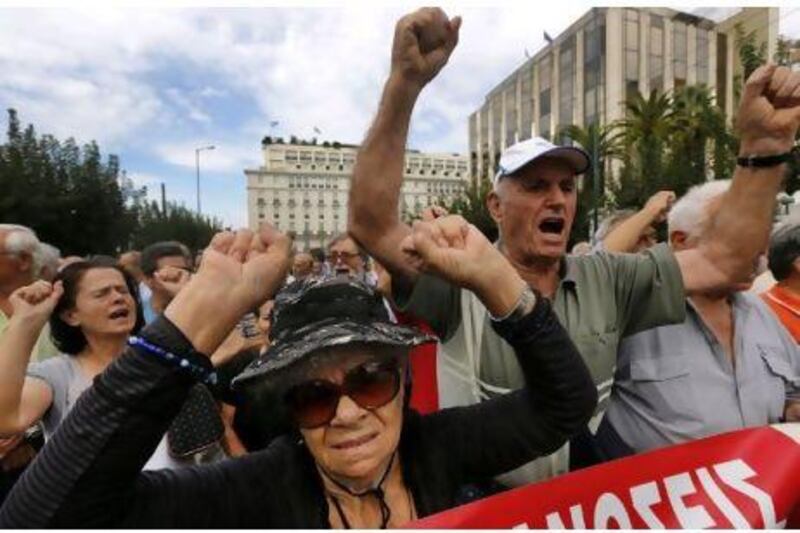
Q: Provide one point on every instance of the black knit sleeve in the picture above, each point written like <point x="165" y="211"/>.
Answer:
<point x="89" y="473"/>
<point x="487" y="439"/>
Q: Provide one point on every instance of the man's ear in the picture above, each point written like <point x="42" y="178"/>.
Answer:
<point x="678" y="240"/>
<point x="493" y="205"/>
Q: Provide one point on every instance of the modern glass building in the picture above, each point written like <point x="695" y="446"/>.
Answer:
<point x="587" y="72"/>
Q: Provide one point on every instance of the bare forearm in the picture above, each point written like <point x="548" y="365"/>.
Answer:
<point x="16" y="346"/>
<point x="740" y="231"/>
<point x="626" y="235"/>
<point x="378" y="173"/>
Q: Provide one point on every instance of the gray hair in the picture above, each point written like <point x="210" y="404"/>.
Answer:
<point x="19" y="239"/>
<point x="784" y="248"/>
<point x="46" y="259"/>
<point x="690" y="212"/>
<point x="610" y="222"/>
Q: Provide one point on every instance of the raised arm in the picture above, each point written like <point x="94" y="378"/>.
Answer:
<point x="768" y="118"/>
<point x="88" y="474"/>
<point x="627" y="234"/>
<point x="423" y="42"/>
<point x="559" y="397"/>
<point x="23" y="401"/>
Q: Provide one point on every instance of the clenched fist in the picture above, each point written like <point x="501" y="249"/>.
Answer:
<point x="458" y="252"/>
<point x="33" y="304"/>
<point x="769" y="111"/>
<point x="423" y="42"/>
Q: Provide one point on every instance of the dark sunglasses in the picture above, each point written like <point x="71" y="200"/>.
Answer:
<point x="313" y="403"/>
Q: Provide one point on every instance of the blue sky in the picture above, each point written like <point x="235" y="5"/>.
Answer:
<point x="152" y="84"/>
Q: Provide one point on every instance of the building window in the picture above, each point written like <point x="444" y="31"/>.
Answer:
<point x="631" y="53"/>
<point x="510" y="95"/>
<point x="566" y="82"/>
<point x="594" y="48"/>
<point x="679" y="53"/>
<point x="497" y="118"/>
<point x="526" y="103"/>
<point x="545" y="83"/>
<point x="656" y="53"/>
<point x="702" y="56"/>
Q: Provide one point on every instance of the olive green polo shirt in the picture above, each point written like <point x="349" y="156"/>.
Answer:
<point x="44" y="348"/>
<point x="600" y="299"/>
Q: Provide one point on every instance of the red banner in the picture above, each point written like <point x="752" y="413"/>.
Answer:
<point x="743" y="479"/>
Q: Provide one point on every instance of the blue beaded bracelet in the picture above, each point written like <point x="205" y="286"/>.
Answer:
<point x="209" y="377"/>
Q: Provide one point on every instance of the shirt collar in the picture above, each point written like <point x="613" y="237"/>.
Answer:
<point x="785" y="295"/>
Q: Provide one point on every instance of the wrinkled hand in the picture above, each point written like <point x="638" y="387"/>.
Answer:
<point x="34" y="303"/>
<point x="659" y="205"/>
<point x="239" y="271"/>
<point x="250" y="266"/>
<point x="423" y="42"/>
<point x="769" y="111"/>
<point x="172" y="279"/>
<point x="8" y="444"/>
<point x="433" y="212"/>
<point x="17" y="457"/>
<point x="453" y="249"/>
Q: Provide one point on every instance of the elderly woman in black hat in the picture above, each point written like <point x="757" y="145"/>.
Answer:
<point x="360" y="457"/>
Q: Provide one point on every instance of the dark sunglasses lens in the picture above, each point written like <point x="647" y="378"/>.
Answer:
<point x="313" y="404"/>
<point x="373" y="385"/>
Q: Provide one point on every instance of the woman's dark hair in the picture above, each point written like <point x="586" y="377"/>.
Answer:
<point x="70" y="339"/>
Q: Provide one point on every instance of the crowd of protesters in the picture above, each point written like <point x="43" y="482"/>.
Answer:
<point x="404" y="369"/>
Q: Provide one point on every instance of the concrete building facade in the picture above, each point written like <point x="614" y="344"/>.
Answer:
<point x="302" y="188"/>
<point x="588" y="71"/>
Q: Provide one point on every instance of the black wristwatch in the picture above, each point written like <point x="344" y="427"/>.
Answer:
<point x="764" y="161"/>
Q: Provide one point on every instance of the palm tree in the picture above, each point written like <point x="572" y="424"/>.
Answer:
<point x="697" y="123"/>
<point x="471" y="204"/>
<point x="608" y="139"/>
<point x="646" y="130"/>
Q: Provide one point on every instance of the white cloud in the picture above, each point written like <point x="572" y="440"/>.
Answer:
<point x="225" y="157"/>
<point x="117" y="74"/>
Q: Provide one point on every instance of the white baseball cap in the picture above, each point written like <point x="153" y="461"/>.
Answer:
<point x="523" y="153"/>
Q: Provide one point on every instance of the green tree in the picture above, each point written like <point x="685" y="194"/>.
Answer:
<point x="609" y="146"/>
<point x="81" y="202"/>
<point x="752" y="54"/>
<point x="177" y="224"/>
<point x="471" y="204"/>
<point x="645" y="135"/>
<point x="700" y="143"/>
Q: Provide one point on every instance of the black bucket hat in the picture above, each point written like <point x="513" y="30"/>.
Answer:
<point x="317" y="313"/>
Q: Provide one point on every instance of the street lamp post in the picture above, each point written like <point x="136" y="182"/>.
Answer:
<point x="197" y="168"/>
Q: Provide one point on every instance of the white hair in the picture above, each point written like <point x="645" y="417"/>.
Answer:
<point x="19" y="239"/>
<point x="690" y="212"/>
<point x="611" y="222"/>
<point x="46" y="260"/>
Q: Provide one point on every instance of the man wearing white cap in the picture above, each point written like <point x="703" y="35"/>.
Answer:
<point x="599" y="298"/>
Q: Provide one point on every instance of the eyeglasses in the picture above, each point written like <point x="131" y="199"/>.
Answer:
<point x="334" y="257"/>
<point x="313" y="403"/>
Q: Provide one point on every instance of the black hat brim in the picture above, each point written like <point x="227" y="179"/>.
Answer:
<point x="302" y="344"/>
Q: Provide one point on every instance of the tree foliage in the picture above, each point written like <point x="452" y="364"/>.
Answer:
<point x="80" y="202"/>
<point x="471" y="205"/>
